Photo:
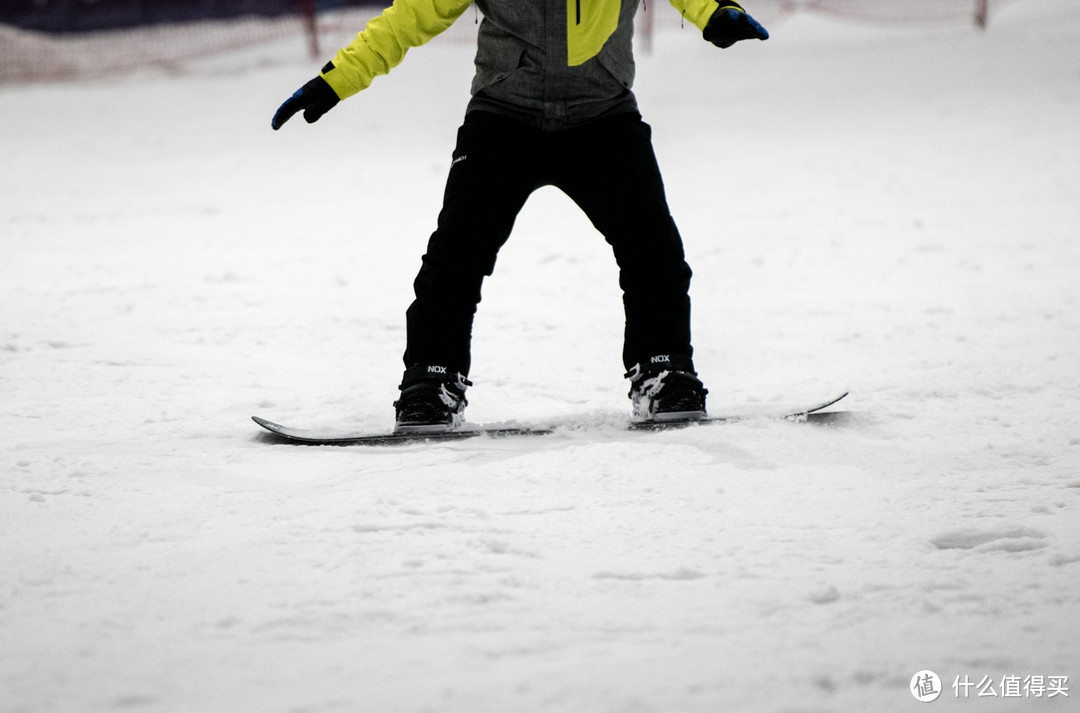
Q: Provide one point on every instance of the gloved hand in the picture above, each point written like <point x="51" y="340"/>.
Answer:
<point x="730" y="23"/>
<point x="315" y="99"/>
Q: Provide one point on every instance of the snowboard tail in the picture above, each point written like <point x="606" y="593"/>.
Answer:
<point x="315" y="436"/>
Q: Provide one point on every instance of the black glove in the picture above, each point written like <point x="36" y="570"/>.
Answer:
<point x="729" y="24"/>
<point x="315" y="99"/>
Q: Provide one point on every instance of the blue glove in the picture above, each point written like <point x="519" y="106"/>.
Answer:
<point x="729" y="24"/>
<point x="314" y="98"/>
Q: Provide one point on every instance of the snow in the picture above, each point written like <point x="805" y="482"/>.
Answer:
<point x="891" y="211"/>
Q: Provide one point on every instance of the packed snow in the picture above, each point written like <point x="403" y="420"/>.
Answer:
<point x="892" y="211"/>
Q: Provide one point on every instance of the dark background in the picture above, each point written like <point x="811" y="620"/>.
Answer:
<point x="65" y="16"/>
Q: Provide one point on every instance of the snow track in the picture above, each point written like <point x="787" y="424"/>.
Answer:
<point x="887" y="211"/>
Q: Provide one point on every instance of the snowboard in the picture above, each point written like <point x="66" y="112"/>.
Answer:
<point x="328" y="436"/>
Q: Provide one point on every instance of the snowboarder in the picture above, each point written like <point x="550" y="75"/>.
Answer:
<point x="551" y="104"/>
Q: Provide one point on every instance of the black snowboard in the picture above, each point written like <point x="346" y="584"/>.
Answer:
<point x="327" y="436"/>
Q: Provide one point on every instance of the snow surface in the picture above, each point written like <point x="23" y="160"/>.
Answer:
<point x="892" y="211"/>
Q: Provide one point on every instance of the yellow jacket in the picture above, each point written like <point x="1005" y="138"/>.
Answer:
<point x="382" y="45"/>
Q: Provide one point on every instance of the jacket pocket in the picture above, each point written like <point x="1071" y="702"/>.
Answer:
<point x="497" y="57"/>
<point x="620" y="66"/>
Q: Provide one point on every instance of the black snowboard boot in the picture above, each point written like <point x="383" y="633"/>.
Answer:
<point x="432" y="399"/>
<point x="666" y="388"/>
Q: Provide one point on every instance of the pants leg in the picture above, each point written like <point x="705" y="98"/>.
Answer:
<point x="609" y="169"/>
<point x="494" y="171"/>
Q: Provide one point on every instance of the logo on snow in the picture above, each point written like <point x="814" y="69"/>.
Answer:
<point x="436" y="370"/>
<point x="925" y="686"/>
<point x="660" y="359"/>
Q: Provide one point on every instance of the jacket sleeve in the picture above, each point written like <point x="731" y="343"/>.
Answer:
<point x="699" y="11"/>
<point x="382" y="45"/>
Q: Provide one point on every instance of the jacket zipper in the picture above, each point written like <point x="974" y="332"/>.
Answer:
<point x="577" y="8"/>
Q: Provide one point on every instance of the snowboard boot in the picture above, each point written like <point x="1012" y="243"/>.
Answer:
<point x="432" y="400"/>
<point x="666" y="388"/>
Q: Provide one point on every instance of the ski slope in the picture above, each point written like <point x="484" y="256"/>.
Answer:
<point x="890" y="211"/>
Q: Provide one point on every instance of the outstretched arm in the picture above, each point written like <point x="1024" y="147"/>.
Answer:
<point x="376" y="50"/>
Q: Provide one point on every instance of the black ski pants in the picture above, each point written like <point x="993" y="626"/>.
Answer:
<point x="608" y="168"/>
